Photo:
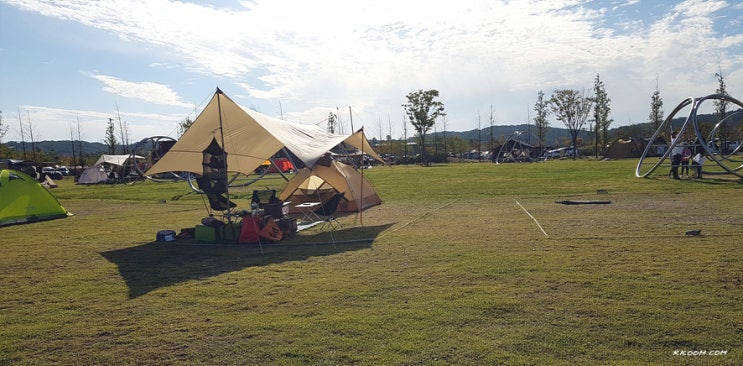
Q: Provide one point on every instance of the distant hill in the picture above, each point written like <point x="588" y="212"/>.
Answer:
<point x="63" y="148"/>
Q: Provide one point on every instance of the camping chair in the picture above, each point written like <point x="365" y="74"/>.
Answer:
<point x="264" y="197"/>
<point x="267" y="200"/>
<point x="327" y="210"/>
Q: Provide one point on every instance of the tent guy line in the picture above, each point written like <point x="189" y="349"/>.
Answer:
<point x="533" y="218"/>
<point x="444" y="205"/>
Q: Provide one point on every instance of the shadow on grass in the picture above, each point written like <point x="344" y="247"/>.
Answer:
<point x="155" y="265"/>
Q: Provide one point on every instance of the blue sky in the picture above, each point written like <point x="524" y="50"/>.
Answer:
<point x="154" y="63"/>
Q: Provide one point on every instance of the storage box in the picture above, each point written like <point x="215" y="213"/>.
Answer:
<point x="226" y="232"/>
<point x="229" y="232"/>
<point x="288" y="225"/>
<point x="205" y="233"/>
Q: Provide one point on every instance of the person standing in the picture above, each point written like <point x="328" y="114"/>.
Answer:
<point x="677" y="154"/>
<point x="685" y="157"/>
<point x="697" y="161"/>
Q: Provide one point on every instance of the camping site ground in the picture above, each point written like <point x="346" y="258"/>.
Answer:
<point x="462" y="264"/>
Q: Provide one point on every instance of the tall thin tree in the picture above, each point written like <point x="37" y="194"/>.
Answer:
<point x="332" y="120"/>
<point x="123" y="131"/>
<point x="80" y="143"/>
<point x="31" y="130"/>
<point x="446" y="152"/>
<point x="601" y="118"/>
<point x="491" y="138"/>
<point x="721" y="112"/>
<point x="23" y="135"/>
<point x="541" y="108"/>
<point x="656" y="107"/>
<point x="110" y="137"/>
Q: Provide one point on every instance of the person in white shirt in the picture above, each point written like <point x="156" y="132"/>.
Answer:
<point x="697" y="161"/>
<point x="677" y="154"/>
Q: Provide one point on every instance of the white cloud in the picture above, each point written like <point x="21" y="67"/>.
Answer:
<point x="317" y="55"/>
<point x="144" y="91"/>
<point x="63" y="123"/>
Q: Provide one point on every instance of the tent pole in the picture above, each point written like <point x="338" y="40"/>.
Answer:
<point x="224" y="155"/>
<point x="361" y="199"/>
<point x="351" y="115"/>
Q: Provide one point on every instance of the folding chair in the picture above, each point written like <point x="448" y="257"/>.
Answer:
<point x="327" y="211"/>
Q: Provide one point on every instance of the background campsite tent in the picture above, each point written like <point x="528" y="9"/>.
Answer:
<point x="23" y="199"/>
<point x="283" y="165"/>
<point x="96" y="173"/>
<point x="321" y="182"/>
<point x="630" y="148"/>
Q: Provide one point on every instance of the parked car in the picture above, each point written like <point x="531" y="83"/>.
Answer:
<point x="52" y="173"/>
<point x="64" y="170"/>
<point x="552" y="154"/>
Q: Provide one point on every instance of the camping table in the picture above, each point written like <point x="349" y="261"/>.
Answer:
<point x="308" y="211"/>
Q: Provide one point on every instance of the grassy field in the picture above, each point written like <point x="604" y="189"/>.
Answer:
<point x="463" y="264"/>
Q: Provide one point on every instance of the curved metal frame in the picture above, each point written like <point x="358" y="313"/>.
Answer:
<point x="713" y="133"/>
<point x="499" y="158"/>
<point x="695" y="103"/>
<point x="149" y="144"/>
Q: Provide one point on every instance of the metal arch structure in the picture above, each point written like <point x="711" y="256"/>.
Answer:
<point x="519" y="151"/>
<point x="712" y="137"/>
<point x="691" y="120"/>
<point x="153" y="149"/>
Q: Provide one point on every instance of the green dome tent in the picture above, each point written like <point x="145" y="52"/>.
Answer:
<point x="23" y="199"/>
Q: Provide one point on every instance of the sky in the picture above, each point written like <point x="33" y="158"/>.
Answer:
<point x="67" y="66"/>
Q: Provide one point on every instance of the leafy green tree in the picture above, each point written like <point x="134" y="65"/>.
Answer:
<point x="572" y="108"/>
<point x="184" y="125"/>
<point x="110" y="137"/>
<point x="541" y="107"/>
<point x="422" y="110"/>
<point x="601" y="118"/>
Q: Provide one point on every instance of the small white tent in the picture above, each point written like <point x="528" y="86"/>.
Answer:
<point x="96" y="173"/>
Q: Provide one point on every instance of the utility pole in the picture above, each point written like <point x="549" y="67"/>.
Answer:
<point x="351" y="114"/>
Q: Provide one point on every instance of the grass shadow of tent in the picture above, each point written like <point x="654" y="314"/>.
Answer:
<point x="155" y="265"/>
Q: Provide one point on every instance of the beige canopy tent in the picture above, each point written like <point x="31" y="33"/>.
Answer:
<point x="321" y="182"/>
<point x="249" y="138"/>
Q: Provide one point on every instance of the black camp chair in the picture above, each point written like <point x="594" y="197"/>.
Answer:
<point x="263" y="197"/>
<point x="267" y="200"/>
<point x="327" y="211"/>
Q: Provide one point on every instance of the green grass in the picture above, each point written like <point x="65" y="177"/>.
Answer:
<point x="454" y="272"/>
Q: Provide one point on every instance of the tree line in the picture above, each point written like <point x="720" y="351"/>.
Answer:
<point x="576" y="109"/>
